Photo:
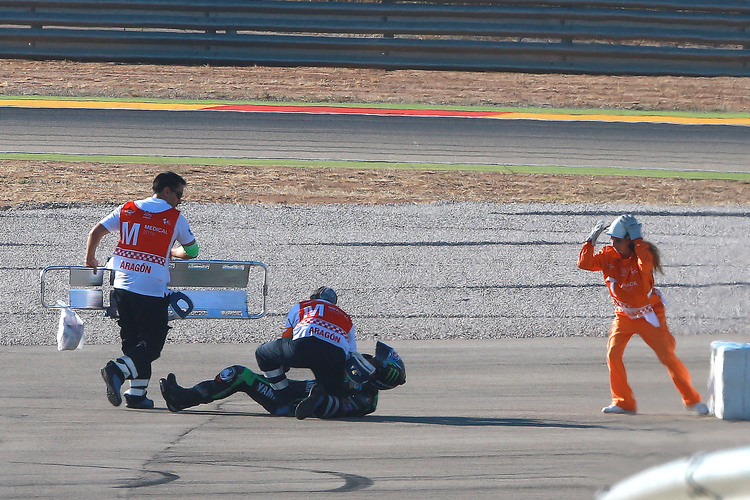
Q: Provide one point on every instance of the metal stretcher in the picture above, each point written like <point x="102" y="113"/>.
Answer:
<point x="209" y="289"/>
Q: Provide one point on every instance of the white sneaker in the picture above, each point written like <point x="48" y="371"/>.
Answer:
<point x="699" y="408"/>
<point x="617" y="409"/>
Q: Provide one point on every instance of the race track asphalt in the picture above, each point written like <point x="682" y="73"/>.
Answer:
<point x="324" y="137"/>
<point x="511" y="419"/>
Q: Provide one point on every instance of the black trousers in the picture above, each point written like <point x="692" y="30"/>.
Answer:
<point x="326" y="361"/>
<point x="143" y="328"/>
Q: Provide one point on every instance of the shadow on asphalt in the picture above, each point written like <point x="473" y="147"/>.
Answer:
<point x="443" y="420"/>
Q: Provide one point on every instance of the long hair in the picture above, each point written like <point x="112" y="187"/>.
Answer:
<point x="657" y="256"/>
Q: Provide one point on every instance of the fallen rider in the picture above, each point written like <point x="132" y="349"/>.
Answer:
<point x="364" y="377"/>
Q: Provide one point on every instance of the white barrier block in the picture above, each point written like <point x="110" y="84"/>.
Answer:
<point x="729" y="382"/>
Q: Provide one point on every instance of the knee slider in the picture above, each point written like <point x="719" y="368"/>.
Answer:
<point x="229" y="374"/>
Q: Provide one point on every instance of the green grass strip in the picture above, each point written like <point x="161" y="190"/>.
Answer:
<point x="497" y="109"/>
<point x="507" y="169"/>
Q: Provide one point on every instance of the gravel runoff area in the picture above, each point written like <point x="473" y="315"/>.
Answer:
<point x="446" y="270"/>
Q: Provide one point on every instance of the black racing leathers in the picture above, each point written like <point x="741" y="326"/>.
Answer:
<point x="237" y="378"/>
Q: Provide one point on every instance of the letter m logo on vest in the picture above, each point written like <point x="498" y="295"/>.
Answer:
<point x="318" y="311"/>
<point x="129" y="236"/>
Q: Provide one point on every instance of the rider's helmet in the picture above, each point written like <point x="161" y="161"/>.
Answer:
<point x="325" y="293"/>
<point x="390" y="371"/>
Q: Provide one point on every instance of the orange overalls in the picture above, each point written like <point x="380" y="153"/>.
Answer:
<point x="638" y="310"/>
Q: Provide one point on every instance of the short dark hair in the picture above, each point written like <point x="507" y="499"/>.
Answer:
<point x="168" y="179"/>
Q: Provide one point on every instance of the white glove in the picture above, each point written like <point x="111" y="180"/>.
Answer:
<point x="632" y="226"/>
<point x="597" y="230"/>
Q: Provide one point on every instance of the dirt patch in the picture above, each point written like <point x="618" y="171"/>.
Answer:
<point x="52" y="182"/>
<point x="65" y="78"/>
<point x="33" y="181"/>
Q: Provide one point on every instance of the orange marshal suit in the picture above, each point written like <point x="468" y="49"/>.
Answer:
<point x="638" y="310"/>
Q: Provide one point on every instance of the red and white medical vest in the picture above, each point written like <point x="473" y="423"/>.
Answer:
<point x="145" y="242"/>
<point x="321" y="319"/>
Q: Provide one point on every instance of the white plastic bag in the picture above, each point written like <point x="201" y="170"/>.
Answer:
<point x="69" y="330"/>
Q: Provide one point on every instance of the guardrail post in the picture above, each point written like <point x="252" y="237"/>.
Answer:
<point x="567" y="41"/>
<point x="387" y="34"/>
